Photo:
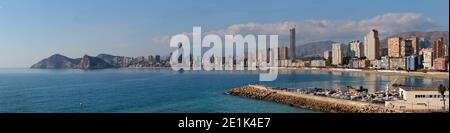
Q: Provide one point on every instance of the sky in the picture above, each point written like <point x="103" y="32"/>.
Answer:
<point x="31" y="30"/>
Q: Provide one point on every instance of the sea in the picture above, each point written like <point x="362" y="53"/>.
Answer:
<point x="162" y="90"/>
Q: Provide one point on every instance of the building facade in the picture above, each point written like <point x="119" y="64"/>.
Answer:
<point x="412" y="62"/>
<point x="397" y="63"/>
<point x="372" y="45"/>
<point x="428" y="57"/>
<point x="337" y="54"/>
<point x="415" y="44"/>
<point x="406" y="48"/>
<point x="394" y="46"/>
<point x="438" y="48"/>
<point x="385" y="62"/>
<point x="440" y="64"/>
<point x="283" y="53"/>
<point x="292" y="44"/>
<point x="356" y="49"/>
<point x="317" y="63"/>
<point x="419" y="100"/>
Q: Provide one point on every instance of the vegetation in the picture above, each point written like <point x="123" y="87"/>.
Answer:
<point x="442" y="90"/>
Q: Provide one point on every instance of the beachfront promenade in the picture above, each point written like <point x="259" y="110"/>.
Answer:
<point x="386" y="72"/>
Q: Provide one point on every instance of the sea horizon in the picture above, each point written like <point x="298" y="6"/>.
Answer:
<point x="164" y="90"/>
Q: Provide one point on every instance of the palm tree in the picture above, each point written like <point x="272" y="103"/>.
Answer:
<point x="441" y="90"/>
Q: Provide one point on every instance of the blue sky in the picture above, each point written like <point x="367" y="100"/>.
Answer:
<point x="34" y="29"/>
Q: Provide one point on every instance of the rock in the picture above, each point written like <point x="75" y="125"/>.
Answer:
<point x="88" y="62"/>
<point x="102" y="61"/>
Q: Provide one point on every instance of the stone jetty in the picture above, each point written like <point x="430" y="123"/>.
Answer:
<point x="319" y="103"/>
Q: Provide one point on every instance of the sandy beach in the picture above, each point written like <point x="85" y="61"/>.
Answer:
<point x="385" y="72"/>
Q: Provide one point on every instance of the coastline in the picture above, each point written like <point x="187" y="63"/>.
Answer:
<point x="318" y="103"/>
<point x="385" y="72"/>
<point x="434" y="74"/>
<point x="444" y="75"/>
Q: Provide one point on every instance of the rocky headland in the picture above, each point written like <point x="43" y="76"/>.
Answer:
<point x="101" y="61"/>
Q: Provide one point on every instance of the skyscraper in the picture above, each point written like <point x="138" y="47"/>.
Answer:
<point x="337" y="53"/>
<point x="446" y="51"/>
<point x="283" y="53"/>
<point x="415" y="44"/>
<point x="438" y="48"/>
<point x="151" y="59"/>
<point x="158" y="58"/>
<point x="394" y="46"/>
<point x="372" y="45"/>
<point x="428" y="57"/>
<point x="291" y="44"/>
<point x="406" y="48"/>
<point x="356" y="49"/>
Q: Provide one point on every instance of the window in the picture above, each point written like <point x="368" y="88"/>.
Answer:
<point x="423" y="104"/>
<point x="422" y="96"/>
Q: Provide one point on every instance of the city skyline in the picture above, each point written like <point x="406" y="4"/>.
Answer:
<point x="35" y="30"/>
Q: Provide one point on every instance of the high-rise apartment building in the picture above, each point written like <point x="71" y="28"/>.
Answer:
<point x="292" y="44"/>
<point x="356" y="49"/>
<point x="428" y="57"/>
<point x="394" y="46"/>
<point x="372" y="45"/>
<point x="283" y="53"/>
<point x="415" y="44"/>
<point x="438" y="48"/>
<point x="337" y="54"/>
<point x="406" y="48"/>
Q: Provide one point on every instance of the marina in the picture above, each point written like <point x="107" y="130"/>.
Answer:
<point x="319" y="103"/>
<point x="346" y="100"/>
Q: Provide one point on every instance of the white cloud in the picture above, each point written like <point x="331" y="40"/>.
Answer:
<point x="337" y="30"/>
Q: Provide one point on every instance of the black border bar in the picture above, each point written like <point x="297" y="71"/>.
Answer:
<point x="278" y="122"/>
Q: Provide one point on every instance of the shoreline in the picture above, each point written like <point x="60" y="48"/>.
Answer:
<point x="317" y="103"/>
<point x="385" y="72"/>
<point x="444" y="75"/>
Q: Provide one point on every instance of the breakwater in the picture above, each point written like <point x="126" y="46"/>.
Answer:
<point x="319" y="103"/>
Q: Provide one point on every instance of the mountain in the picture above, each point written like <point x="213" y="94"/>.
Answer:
<point x="427" y="36"/>
<point x="88" y="62"/>
<point x="57" y="61"/>
<point x="116" y="61"/>
<point x="101" y="61"/>
<point x="107" y="58"/>
<point x="313" y="49"/>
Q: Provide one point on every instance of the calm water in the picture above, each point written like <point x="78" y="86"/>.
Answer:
<point x="163" y="90"/>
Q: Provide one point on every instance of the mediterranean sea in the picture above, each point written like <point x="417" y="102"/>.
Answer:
<point x="161" y="90"/>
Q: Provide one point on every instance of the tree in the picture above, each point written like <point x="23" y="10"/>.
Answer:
<point x="441" y="90"/>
